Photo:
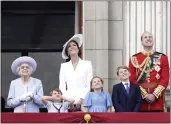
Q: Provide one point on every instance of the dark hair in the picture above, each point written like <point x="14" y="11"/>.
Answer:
<point x="79" y="49"/>
<point x="121" y="67"/>
<point x="57" y="90"/>
<point x="91" y="89"/>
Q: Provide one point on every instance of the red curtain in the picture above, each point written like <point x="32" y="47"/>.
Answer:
<point x="79" y="117"/>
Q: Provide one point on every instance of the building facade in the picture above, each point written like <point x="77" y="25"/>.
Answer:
<point x="112" y="31"/>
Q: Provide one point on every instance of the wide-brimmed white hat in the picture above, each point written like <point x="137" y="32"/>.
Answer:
<point x="24" y="59"/>
<point x="78" y="38"/>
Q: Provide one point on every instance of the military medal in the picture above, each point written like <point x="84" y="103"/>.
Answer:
<point x="157" y="68"/>
<point x="154" y="61"/>
<point x="158" y="61"/>
<point x="157" y="76"/>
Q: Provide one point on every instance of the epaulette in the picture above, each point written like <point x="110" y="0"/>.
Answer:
<point x="160" y="53"/>
<point x="137" y="54"/>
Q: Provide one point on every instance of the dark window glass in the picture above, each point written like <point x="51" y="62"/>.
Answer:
<point x="37" y="25"/>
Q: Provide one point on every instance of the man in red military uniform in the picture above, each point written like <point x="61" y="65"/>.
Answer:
<point x="150" y="69"/>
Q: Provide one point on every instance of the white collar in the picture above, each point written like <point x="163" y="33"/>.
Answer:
<point x="125" y="83"/>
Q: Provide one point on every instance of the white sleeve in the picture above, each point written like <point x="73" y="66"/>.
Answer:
<point x="89" y="77"/>
<point x="62" y="79"/>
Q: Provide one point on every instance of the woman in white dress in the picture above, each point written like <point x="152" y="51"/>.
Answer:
<point x="25" y="92"/>
<point x="75" y="75"/>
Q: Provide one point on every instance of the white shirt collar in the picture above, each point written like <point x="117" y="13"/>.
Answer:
<point x="126" y="82"/>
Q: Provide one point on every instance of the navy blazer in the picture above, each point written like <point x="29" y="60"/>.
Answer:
<point x="123" y="102"/>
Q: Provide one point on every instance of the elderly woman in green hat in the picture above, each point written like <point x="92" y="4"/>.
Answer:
<point x="25" y="92"/>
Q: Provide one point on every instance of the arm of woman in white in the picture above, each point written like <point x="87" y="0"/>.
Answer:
<point x="89" y="77"/>
<point x="37" y="97"/>
<point x="62" y="83"/>
<point x="12" y="101"/>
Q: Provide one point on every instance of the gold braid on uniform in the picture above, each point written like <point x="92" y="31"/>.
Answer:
<point x="157" y="92"/>
<point x="146" y="69"/>
<point x="143" y="92"/>
<point x="146" y="63"/>
<point x="134" y="62"/>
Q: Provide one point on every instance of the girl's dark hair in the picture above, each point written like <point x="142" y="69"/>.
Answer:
<point x="79" y="49"/>
<point x="91" y="89"/>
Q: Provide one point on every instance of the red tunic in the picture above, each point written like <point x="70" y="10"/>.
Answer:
<point x="153" y="80"/>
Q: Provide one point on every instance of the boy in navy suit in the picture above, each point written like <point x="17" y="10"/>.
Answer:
<point x="126" y="96"/>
